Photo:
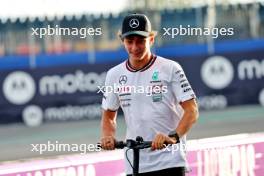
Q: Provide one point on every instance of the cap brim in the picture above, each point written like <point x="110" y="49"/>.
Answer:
<point x="141" y="33"/>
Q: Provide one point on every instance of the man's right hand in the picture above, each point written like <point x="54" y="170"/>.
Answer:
<point x="108" y="143"/>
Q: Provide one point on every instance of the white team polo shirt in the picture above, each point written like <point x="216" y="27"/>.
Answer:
<point x="150" y="99"/>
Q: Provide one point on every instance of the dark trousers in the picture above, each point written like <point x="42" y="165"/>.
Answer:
<point x="176" y="171"/>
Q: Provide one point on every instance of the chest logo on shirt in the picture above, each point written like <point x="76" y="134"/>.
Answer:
<point x="155" y="76"/>
<point x="156" y="88"/>
<point x="122" y="79"/>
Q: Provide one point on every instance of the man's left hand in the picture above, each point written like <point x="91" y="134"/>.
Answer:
<point x="161" y="140"/>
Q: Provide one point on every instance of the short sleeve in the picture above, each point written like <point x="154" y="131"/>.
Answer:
<point x="110" y="98"/>
<point x="180" y="84"/>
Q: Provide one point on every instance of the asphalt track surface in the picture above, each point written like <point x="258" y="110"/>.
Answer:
<point x="16" y="139"/>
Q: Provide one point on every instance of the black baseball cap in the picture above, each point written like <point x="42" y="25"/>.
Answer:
<point x="136" y="24"/>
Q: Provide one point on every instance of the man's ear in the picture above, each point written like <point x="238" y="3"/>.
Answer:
<point x="120" y="36"/>
<point x="122" y="39"/>
<point x="152" y="36"/>
<point x="151" y="40"/>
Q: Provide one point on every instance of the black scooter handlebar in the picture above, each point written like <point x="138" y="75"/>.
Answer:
<point x="139" y="143"/>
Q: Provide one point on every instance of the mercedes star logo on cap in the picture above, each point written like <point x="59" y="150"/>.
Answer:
<point x="133" y="23"/>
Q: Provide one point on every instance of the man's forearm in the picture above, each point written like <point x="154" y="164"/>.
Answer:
<point x="188" y="119"/>
<point x="190" y="116"/>
<point x="108" y="124"/>
<point x="108" y="127"/>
